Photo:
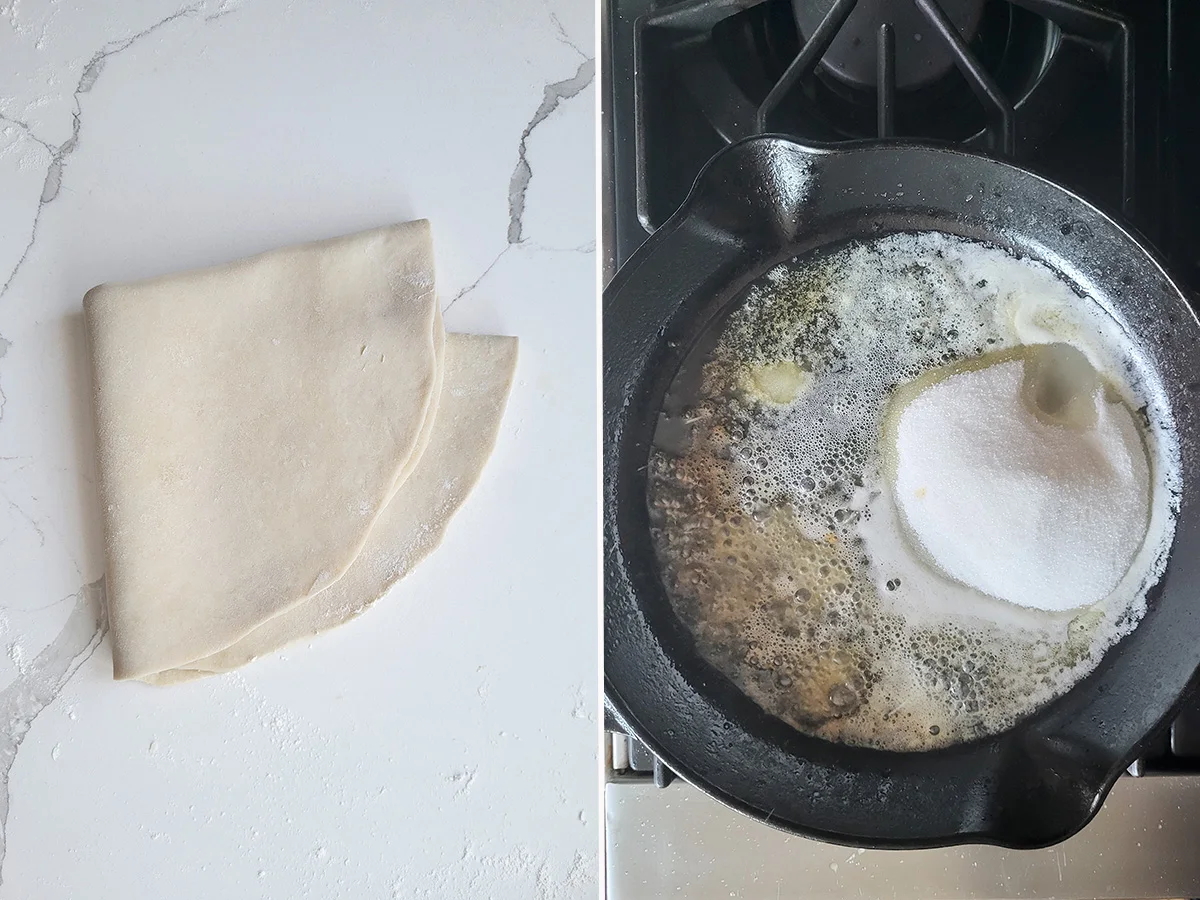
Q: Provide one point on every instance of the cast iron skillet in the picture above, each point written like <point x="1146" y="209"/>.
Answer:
<point x="766" y="200"/>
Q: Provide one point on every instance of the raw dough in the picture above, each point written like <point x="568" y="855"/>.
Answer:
<point x="253" y="420"/>
<point x="476" y="380"/>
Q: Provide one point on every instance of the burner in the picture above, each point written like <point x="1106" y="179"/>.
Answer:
<point x="1048" y="83"/>
<point x="1024" y="55"/>
<point x="922" y="57"/>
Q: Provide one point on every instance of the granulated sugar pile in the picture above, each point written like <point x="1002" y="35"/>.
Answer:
<point x="1039" y="513"/>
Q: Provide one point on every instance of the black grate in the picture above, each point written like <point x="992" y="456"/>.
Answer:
<point x="1097" y="97"/>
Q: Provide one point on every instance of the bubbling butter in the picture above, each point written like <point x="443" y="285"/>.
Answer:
<point x="774" y="511"/>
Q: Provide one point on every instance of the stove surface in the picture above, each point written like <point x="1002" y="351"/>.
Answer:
<point x="681" y="843"/>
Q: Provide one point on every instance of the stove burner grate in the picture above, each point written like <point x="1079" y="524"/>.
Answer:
<point x="991" y="74"/>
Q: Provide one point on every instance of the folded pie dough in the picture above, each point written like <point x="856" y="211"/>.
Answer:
<point x="253" y="422"/>
<point x="478" y="374"/>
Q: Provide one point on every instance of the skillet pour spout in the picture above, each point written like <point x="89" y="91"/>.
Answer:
<point x="767" y="200"/>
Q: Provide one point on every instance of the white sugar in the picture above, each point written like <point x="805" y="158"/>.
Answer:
<point x="1042" y="515"/>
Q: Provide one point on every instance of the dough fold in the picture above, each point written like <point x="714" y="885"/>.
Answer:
<point x="279" y="439"/>
<point x="476" y="381"/>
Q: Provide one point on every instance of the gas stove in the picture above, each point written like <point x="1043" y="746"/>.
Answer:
<point x="1099" y="97"/>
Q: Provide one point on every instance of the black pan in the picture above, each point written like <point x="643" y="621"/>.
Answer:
<point x="759" y="203"/>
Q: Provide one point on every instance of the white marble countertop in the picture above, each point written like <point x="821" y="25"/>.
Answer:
<point x="444" y="743"/>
